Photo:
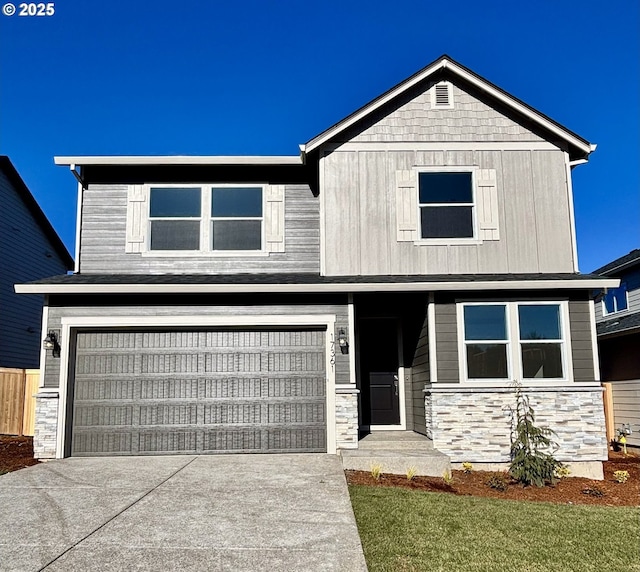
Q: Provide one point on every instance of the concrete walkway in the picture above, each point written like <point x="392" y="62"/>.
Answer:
<point x="227" y="512"/>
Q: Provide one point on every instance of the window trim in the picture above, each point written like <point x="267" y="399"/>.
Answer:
<point x="473" y="170"/>
<point x="514" y="352"/>
<point x="205" y="219"/>
<point x="616" y="311"/>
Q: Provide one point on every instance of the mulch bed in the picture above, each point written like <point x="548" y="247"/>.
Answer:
<point x="15" y="453"/>
<point x="566" y="491"/>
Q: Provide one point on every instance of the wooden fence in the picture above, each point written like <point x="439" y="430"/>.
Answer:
<point x="17" y="404"/>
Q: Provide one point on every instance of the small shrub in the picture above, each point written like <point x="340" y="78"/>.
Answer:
<point x="411" y="472"/>
<point x="562" y="472"/>
<point x="467" y="467"/>
<point x="593" y="491"/>
<point x="621" y="476"/>
<point x="499" y="482"/>
<point x="530" y="464"/>
<point x="376" y="471"/>
<point x="447" y="477"/>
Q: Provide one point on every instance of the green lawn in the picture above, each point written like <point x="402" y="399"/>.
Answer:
<point x="404" y="530"/>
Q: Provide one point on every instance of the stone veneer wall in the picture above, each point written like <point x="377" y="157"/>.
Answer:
<point x="347" y="418"/>
<point x="46" y="429"/>
<point x="474" y="424"/>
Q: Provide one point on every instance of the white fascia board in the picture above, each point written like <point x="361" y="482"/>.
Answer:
<point x="182" y="160"/>
<point x="584" y="146"/>
<point x="313" y="288"/>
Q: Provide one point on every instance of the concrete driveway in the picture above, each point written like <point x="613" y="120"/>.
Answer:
<point x="235" y="512"/>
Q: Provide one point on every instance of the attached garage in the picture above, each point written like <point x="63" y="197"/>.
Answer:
<point x="198" y="391"/>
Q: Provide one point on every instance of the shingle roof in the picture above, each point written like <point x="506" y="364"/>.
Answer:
<point x="625" y="261"/>
<point x="619" y="324"/>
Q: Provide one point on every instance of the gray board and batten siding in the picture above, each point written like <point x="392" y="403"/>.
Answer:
<point x="104" y="234"/>
<point x="192" y="305"/>
<point x="27" y="253"/>
<point x="446" y="328"/>
<point x="533" y="202"/>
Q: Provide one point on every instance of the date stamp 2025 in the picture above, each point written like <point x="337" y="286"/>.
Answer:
<point x="29" y="9"/>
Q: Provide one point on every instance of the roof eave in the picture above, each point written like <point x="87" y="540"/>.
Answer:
<point x="581" y="147"/>
<point x="186" y="160"/>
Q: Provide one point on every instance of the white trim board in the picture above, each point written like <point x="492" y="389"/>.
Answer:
<point x="180" y="160"/>
<point x="476" y="285"/>
<point x="322" y="320"/>
<point x="441" y="146"/>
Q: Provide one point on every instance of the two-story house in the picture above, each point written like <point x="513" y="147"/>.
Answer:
<point x="413" y="261"/>
<point x="618" y="327"/>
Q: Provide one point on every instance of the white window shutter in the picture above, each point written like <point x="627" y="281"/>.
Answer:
<point x="487" y="201"/>
<point x="137" y="214"/>
<point x="406" y="206"/>
<point x="274" y="218"/>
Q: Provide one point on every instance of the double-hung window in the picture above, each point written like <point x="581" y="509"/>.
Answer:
<point x="513" y="340"/>
<point x="615" y="300"/>
<point x="446" y="205"/>
<point x="207" y="218"/>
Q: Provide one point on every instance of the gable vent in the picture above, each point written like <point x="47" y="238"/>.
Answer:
<point x="442" y="95"/>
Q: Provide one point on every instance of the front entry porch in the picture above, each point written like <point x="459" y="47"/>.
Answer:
<point x="396" y="452"/>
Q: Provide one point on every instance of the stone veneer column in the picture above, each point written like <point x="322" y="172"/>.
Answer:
<point x="347" y="417"/>
<point x="46" y="426"/>
<point x="474" y="424"/>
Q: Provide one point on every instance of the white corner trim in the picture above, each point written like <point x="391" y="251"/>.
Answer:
<point x="431" y="335"/>
<point x="352" y="339"/>
<point x="76" y="261"/>
<point x="572" y="218"/>
<point x="323" y="233"/>
<point x="71" y="322"/>
<point x="44" y="328"/>
<point x="594" y="341"/>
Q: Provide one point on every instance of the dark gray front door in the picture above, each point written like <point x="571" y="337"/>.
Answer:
<point x="378" y="348"/>
<point x="168" y="392"/>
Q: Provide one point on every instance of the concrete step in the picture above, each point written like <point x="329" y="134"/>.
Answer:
<point x="430" y="463"/>
<point x="404" y="440"/>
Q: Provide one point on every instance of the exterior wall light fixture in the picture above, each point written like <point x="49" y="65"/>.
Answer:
<point x="51" y="343"/>
<point x="343" y="341"/>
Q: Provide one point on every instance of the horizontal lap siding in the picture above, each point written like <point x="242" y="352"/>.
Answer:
<point x="626" y="407"/>
<point x="447" y="343"/>
<point x="103" y="236"/>
<point x="52" y="371"/>
<point x="27" y="255"/>
<point x="581" y="341"/>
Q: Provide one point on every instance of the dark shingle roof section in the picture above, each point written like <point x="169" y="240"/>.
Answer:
<point x="274" y="279"/>
<point x="34" y="208"/>
<point x="630" y="259"/>
<point x="619" y="325"/>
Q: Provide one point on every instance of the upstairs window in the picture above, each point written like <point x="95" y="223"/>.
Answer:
<point x="615" y="300"/>
<point x="236" y="218"/>
<point x="233" y="221"/>
<point x="446" y="204"/>
<point x="175" y="215"/>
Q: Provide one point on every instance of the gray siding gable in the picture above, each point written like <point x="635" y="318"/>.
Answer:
<point x="27" y="254"/>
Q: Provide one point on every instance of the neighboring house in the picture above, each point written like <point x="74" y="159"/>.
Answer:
<point x="618" y="325"/>
<point x="414" y="260"/>
<point x="29" y="249"/>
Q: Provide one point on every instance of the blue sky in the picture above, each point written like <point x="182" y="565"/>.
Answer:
<point x="260" y="77"/>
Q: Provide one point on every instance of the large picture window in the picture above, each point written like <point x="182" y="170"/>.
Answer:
<point x="513" y="340"/>
<point x="232" y="222"/>
<point x="446" y="204"/>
